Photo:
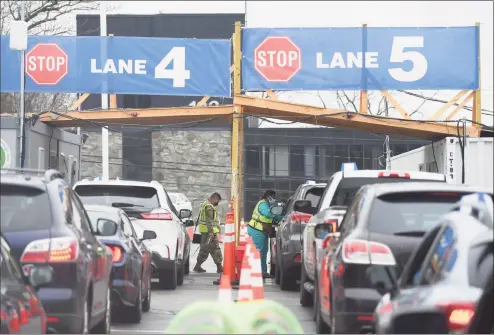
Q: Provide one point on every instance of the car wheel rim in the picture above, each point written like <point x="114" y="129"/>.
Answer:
<point x="85" y="317"/>
<point x="108" y="312"/>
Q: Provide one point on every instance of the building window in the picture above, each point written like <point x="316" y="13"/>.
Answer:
<point x="276" y="161"/>
<point x="309" y="161"/>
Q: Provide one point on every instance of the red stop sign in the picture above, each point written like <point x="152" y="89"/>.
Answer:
<point x="46" y="64"/>
<point x="277" y="59"/>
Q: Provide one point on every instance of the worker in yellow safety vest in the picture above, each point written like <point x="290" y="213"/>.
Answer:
<point x="209" y="227"/>
<point x="260" y="226"/>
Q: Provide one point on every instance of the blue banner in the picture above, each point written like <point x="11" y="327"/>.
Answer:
<point x="120" y="65"/>
<point x="360" y="58"/>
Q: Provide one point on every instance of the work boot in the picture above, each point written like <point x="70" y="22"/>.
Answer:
<point x="219" y="268"/>
<point x="199" y="269"/>
<point x="266" y="275"/>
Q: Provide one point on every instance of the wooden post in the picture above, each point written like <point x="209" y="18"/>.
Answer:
<point x="363" y="96"/>
<point x="236" y="149"/>
<point x="476" y="115"/>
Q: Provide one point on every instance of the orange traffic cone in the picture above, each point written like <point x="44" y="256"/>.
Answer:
<point x="229" y="251"/>
<point x="257" y="277"/>
<point x="245" y="287"/>
<point x="225" y="292"/>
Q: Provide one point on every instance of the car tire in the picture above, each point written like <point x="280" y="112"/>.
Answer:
<point x="147" y="299"/>
<point x="134" y="313"/>
<point x="277" y="274"/>
<point x="286" y="280"/>
<point x="186" y="266"/>
<point x="321" y="326"/>
<point x="168" y="279"/>
<point x="305" y="297"/>
<point x="104" y="326"/>
<point x="180" y="274"/>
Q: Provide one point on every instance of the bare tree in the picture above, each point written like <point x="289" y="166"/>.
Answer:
<point x="41" y="17"/>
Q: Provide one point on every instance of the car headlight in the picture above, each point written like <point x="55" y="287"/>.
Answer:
<point x="161" y="250"/>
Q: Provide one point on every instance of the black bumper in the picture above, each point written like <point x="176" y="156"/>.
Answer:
<point x="354" y="313"/>
<point x="63" y="309"/>
<point x="158" y="263"/>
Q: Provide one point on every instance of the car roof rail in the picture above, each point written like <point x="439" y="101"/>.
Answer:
<point x="478" y="205"/>
<point x="53" y="174"/>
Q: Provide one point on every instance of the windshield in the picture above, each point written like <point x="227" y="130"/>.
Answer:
<point x="348" y="188"/>
<point x="126" y="196"/>
<point x="407" y="213"/>
<point x="24" y="208"/>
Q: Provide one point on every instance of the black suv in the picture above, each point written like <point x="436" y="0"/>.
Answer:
<point x="45" y="224"/>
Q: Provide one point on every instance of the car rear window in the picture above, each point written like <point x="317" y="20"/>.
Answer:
<point x="348" y="187"/>
<point x="314" y="194"/>
<point x="118" y="195"/>
<point x="410" y="211"/>
<point x="24" y="208"/>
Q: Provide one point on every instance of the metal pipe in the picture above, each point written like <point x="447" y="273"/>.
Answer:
<point x="21" y="96"/>
<point x="104" y="97"/>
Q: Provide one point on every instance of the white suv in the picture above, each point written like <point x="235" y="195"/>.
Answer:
<point x="150" y="205"/>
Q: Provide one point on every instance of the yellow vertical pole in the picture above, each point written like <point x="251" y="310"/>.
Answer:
<point x="476" y="115"/>
<point x="363" y="96"/>
<point x="236" y="120"/>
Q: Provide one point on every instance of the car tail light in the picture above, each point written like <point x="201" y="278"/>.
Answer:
<point x="297" y="258"/>
<point x="117" y="253"/>
<point x="301" y="217"/>
<point x="365" y="252"/>
<point x="386" y="174"/>
<point x="158" y="215"/>
<point x="43" y="321"/>
<point x="54" y="250"/>
<point x="458" y="314"/>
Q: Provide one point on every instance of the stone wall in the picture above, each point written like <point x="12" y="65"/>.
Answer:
<point x="91" y="155"/>
<point x="195" y="163"/>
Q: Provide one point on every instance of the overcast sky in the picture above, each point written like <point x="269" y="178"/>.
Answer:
<point x="347" y="14"/>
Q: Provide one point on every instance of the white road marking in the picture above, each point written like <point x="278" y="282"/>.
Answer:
<point x="144" y="331"/>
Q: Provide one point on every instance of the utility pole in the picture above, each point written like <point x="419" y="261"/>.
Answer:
<point x="104" y="97"/>
<point x="21" y="94"/>
<point x="387" y="142"/>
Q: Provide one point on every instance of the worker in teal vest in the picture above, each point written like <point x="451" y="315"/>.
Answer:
<point x="260" y="226"/>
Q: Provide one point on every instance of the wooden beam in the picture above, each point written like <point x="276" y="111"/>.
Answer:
<point x="79" y="101"/>
<point x="363" y="96"/>
<point x="461" y="105"/>
<point x="452" y="101"/>
<point x="350" y="120"/>
<point x="203" y="101"/>
<point x="150" y="116"/>
<point x="236" y="158"/>
<point x="113" y="101"/>
<point x="396" y="104"/>
<point x="363" y="102"/>
<point x="272" y="95"/>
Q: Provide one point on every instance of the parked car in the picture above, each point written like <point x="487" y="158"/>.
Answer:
<point x="383" y="226"/>
<point x="180" y="201"/>
<point x="148" y="203"/>
<point x="448" y="272"/>
<point x="45" y="224"/>
<point x="340" y="191"/>
<point x="297" y="212"/>
<point x="21" y="309"/>
<point x="131" y="270"/>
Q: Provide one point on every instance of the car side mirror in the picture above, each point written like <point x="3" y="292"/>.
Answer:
<point x="303" y="206"/>
<point x="189" y="223"/>
<point x="148" y="235"/>
<point x="106" y="227"/>
<point x="383" y="278"/>
<point x="419" y="321"/>
<point x="185" y="214"/>
<point x="277" y="210"/>
<point x="40" y="275"/>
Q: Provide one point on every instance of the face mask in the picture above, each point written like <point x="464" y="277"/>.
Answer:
<point x="271" y="201"/>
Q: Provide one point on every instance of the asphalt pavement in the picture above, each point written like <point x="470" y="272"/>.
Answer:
<point x="165" y="304"/>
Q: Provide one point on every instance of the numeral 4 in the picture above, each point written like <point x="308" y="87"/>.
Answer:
<point x="178" y="72"/>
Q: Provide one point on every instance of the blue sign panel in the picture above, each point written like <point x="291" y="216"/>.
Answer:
<point x="120" y="65"/>
<point x="360" y="58"/>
